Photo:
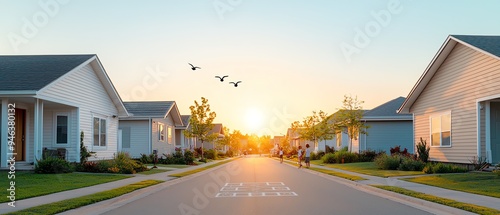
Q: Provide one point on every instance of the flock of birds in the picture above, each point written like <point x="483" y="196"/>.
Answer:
<point x="219" y="77"/>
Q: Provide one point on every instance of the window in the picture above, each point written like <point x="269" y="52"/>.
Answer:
<point x="161" y="132"/>
<point x="99" y="132"/>
<point x="441" y="130"/>
<point x="339" y="139"/>
<point x="169" y="134"/>
<point x="126" y="137"/>
<point x="61" y="129"/>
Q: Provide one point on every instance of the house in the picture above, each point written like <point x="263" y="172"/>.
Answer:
<point x="150" y="126"/>
<point x="387" y="128"/>
<point x="296" y="140"/>
<point x="219" y="130"/>
<point x="181" y="141"/>
<point x="455" y="103"/>
<point x="49" y="100"/>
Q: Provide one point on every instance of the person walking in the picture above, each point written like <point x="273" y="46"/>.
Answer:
<point x="281" y="154"/>
<point x="308" y="156"/>
<point x="299" y="155"/>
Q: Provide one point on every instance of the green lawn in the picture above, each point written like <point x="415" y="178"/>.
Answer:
<point x="190" y="172"/>
<point x="29" y="184"/>
<point x="65" y="205"/>
<point x="153" y="171"/>
<point x="368" y="168"/>
<point x="338" y="174"/>
<point x="177" y="166"/>
<point x="448" y="202"/>
<point x="487" y="184"/>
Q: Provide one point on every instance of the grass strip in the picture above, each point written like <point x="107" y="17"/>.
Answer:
<point x="30" y="184"/>
<point x="448" y="202"/>
<point x="338" y="174"/>
<point x="153" y="171"/>
<point x="190" y="172"/>
<point x="65" y="205"/>
<point x="368" y="168"/>
<point x="482" y="183"/>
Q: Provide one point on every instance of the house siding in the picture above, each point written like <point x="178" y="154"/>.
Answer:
<point x="163" y="147"/>
<point x="383" y="135"/>
<point x="465" y="76"/>
<point x="82" y="88"/>
<point x="139" y="138"/>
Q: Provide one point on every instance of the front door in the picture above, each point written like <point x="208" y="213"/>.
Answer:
<point x="20" y="137"/>
<point x="495" y="132"/>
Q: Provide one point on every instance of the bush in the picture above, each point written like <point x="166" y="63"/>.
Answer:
<point x="368" y="155"/>
<point x="329" y="149"/>
<point x="345" y="157"/>
<point x="145" y="159"/>
<point x="126" y="165"/>
<point x="53" y="165"/>
<point x="423" y="151"/>
<point x="397" y="150"/>
<point x="188" y="157"/>
<point x="328" y="158"/>
<point x="387" y="162"/>
<point x="443" y="168"/>
<point x="317" y="156"/>
<point x="410" y="164"/>
<point x="210" y="154"/>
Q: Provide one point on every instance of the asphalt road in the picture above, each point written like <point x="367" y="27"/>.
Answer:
<point x="259" y="185"/>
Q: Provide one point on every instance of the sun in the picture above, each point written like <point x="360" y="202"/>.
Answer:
<point x="254" y="118"/>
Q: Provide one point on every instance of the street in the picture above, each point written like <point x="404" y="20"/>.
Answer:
<point x="259" y="185"/>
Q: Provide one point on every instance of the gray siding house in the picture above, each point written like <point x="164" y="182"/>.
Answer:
<point x="150" y="126"/>
<point x="51" y="99"/>
<point x="387" y="128"/>
<point x="455" y="102"/>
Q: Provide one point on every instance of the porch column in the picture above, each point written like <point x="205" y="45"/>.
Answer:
<point x="3" y="134"/>
<point x="478" y="114"/>
<point x="488" y="131"/>
<point x="38" y="130"/>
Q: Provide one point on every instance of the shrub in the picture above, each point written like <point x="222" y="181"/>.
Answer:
<point x="384" y="161"/>
<point x="145" y="159"/>
<point x="345" y="157"/>
<point x="443" y="168"/>
<point x="423" y="151"/>
<point x="368" y="155"/>
<point x="84" y="153"/>
<point x="229" y="153"/>
<point x="397" y="150"/>
<point x="204" y="160"/>
<point x="188" y="157"/>
<point x="126" y="165"/>
<point x="317" y="156"/>
<point x="210" y="154"/>
<point x="328" y="158"/>
<point x="345" y="149"/>
<point x="329" y="149"/>
<point x="53" y="165"/>
<point x="479" y="163"/>
<point x="410" y="164"/>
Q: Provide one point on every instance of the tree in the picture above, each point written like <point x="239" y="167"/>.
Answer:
<point x="349" y="117"/>
<point x="235" y="140"/>
<point x="201" y="123"/>
<point x="314" y="128"/>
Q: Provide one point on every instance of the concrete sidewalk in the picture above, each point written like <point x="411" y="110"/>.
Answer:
<point x="486" y="201"/>
<point x="69" y="194"/>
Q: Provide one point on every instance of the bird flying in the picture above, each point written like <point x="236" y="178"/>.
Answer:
<point x="235" y="83"/>
<point x="194" y="67"/>
<point x="222" y="78"/>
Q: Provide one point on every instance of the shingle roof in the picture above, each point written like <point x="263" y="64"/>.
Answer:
<point x="33" y="72"/>
<point x="387" y="110"/>
<point x="490" y="44"/>
<point x="185" y="119"/>
<point x="148" y="109"/>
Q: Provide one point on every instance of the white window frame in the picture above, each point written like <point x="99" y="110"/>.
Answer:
<point x="67" y="128"/>
<point x="161" y="132"/>
<point x="440" y="116"/>
<point x="99" y="146"/>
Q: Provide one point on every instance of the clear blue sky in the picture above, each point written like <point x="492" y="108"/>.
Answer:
<point x="292" y="56"/>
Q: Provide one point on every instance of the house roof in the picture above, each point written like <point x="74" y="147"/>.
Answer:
<point x="218" y="128"/>
<point x="153" y="109"/>
<point x="185" y="119"/>
<point x="34" y="72"/>
<point x="30" y="74"/>
<point x="387" y="111"/>
<point x="488" y="45"/>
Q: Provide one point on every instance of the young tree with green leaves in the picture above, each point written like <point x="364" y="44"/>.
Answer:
<point x="314" y="128"/>
<point x="201" y="123"/>
<point x="349" y="117"/>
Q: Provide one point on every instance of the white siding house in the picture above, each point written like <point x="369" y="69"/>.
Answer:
<point x="455" y="102"/>
<point x="150" y="126"/>
<point x="55" y="97"/>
